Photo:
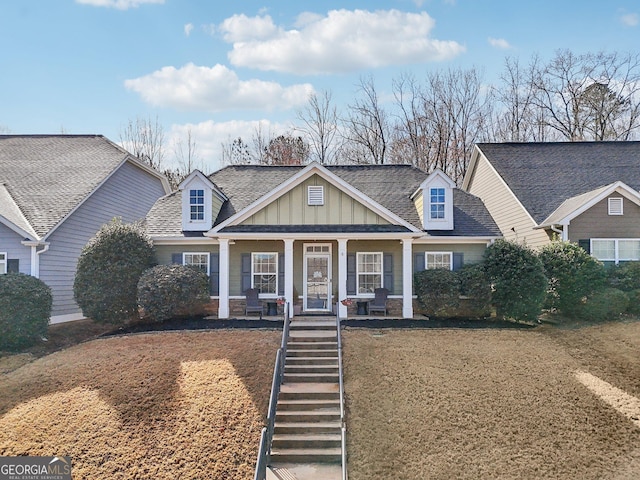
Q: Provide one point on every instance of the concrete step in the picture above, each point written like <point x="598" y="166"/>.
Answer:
<point x="312" y="336"/>
<point x="307" y="455"/>
<point x="312" y="325"/>
<point x="291" y="416"/>
<point x="308" y="427"/>
<point x="302" y="344"/>
<point x="309" y="391"/>
<point x="306" y="440"/>
<point x="313" y="368"/>
<point x="307" y="352"/>
<point x="311" y="360"/>
<point x="312" y="377"/>
<point x="304" y="471"/>
<point x="308" y="404"/>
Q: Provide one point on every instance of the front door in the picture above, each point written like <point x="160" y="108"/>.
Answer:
<point x="317" y="277"/>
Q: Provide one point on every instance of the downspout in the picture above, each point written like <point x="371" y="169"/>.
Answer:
<point x="35" y="259"/>
<point x="559" y="231"/>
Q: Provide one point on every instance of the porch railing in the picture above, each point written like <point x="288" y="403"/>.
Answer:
<point x="266" y="435"/>
<point x="341" y="386"/>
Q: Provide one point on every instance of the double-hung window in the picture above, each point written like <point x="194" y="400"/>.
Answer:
<point x="196" y="259"/>
<point x="442" y="260"/>
<point x="616" y="249"/>
<point x="3" y="263"/>
<point x="264" y="272"/>
<point x="369" y="272"/>
<point x="436" y="203"/>
<point x="196" y="204"/>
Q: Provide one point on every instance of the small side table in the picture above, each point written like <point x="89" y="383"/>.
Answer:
<point x="272" y="309"/>
<point x="363" y="307"/>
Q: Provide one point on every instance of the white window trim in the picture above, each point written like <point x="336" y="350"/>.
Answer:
<point x="613" y="206"/>
<point x="203" y="205"/>
<point x="358" y="273"/>
<point x="616" y="241"/>
<point x="207" y="254"/>
<point x="253" y="273"/>
<point x="3" y="263"/>
<point x="443" y="203"/>
<point x="315" y="195"/>
<point x="426" y="259"/>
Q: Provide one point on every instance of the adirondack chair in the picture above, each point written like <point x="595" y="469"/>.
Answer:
<point x="254" y="304"/>
<point x="379" y="302"/>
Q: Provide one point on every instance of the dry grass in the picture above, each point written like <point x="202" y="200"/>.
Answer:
<point x="166" y="406"/>
<point x="471" y="404"/>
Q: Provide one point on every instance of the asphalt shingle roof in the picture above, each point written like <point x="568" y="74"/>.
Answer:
<point x="389" y="185"/>
<point x="543" y="175"/>
<point x="47" y="176"/>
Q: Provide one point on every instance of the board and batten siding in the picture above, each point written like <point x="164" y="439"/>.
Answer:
<point x="292" y="209"/>
<point x="597" y="223"/>
<point x="129" y="194"/>
<point x="10" y="244"/>
<point x="512" y="219"/>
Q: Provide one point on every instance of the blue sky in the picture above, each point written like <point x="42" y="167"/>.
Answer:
<point x="218" y="68"/>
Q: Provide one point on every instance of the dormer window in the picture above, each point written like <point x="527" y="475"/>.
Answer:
<point x="196" y="205"/>
<point x="437" y="203"/>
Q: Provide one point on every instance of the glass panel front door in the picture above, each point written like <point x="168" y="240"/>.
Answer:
<point x="318" y="281"/>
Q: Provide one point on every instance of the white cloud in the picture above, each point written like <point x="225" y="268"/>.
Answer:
<point x="341" y="41"/>
<point x="214" y="89"/>
<point x="210" y="136"/>
<point x="188" y="28"/>
<point x="630" y="19"/>
<point x="118" y="4"/>
<point x="500" y="43"/>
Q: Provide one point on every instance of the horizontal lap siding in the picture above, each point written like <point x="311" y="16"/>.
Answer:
<point x="164" y="252"/>
<point x="473" y="253"/>
<point x="511" y="218"/>
<point x="597" y="223"/>
<point x="128" y="194"/>
<point x="10" y="244"/>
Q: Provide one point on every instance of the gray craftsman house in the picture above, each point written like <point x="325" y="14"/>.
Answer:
<point x="313" y="235"/>
<point x="584" y="192"/>
<point x="56" y="191"/>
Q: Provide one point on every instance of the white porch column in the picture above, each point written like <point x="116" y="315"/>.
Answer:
<point x="407" y="278"/>
<point x="223" y="294"/>
<point x="288" y="273"/>
<point x="342" y="276"/>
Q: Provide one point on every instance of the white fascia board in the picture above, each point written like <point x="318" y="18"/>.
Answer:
<point x="456" y="239"/>
<point x="23" y="233"/>
<point x="617" y="187"/>
<point x="197" y="173"/>
<point x="143" y="166"/>
<point x="295" y="180"/>
<point x="470" y="168"/>
<point x="318" y="236"/>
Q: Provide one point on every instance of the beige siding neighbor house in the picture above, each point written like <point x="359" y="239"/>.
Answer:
<point x="314" y="235"/>
<point x="584" y="192"/>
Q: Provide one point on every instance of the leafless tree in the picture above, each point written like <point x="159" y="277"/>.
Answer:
<point x="590" y="96"/>
<point x="236" y="152"/>
<point x="186" y="155"/>
<point x="367" y="127"/>
<point x="144" y="138"/>
<point x="287" y="150"/>
<point x="320" y="125"/>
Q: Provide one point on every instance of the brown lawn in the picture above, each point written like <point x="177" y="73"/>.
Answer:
<point x="171" y="405"/>
<point x="471" y="404"/>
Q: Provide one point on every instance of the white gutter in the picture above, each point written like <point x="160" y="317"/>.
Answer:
<point x="35" y="253"/>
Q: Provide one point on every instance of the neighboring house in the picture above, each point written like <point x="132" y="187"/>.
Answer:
<point x="584" y="192"/>
<point x="314" y="234"/>
<point x="56" y="191"/>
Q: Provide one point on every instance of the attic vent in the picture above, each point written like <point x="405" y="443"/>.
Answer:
<point x="315" y="195"/>
<point x="615" y="206"/>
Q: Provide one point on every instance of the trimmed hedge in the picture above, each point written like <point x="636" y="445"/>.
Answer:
<point x="517" y="276"/>
<point x="438" y="291"/>
<point x="606" y="304"/>
<point x="25" y="308"/>
<point x="625" y="277"/>
<point x="573" y="275"/>
<point x="475" y="287"/>
<point x="109" y="267"/>
<point x="168" y="291"/>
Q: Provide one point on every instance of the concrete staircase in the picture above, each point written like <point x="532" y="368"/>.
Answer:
<point x="307" y="440"/>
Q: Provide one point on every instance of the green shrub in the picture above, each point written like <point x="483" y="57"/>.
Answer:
<point x="475" y="287"/>
<point x="573" y="275"/>
<point x="25" y="308"/>
<point x="625" y="276"/>
<point x="606" y="304"/>
<point x="517" y="277"/>
<point x="167" y="291"/>
<point x="438" y="291"/>
<point x="634" y="302"/>
<point x="109" y="267"/>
